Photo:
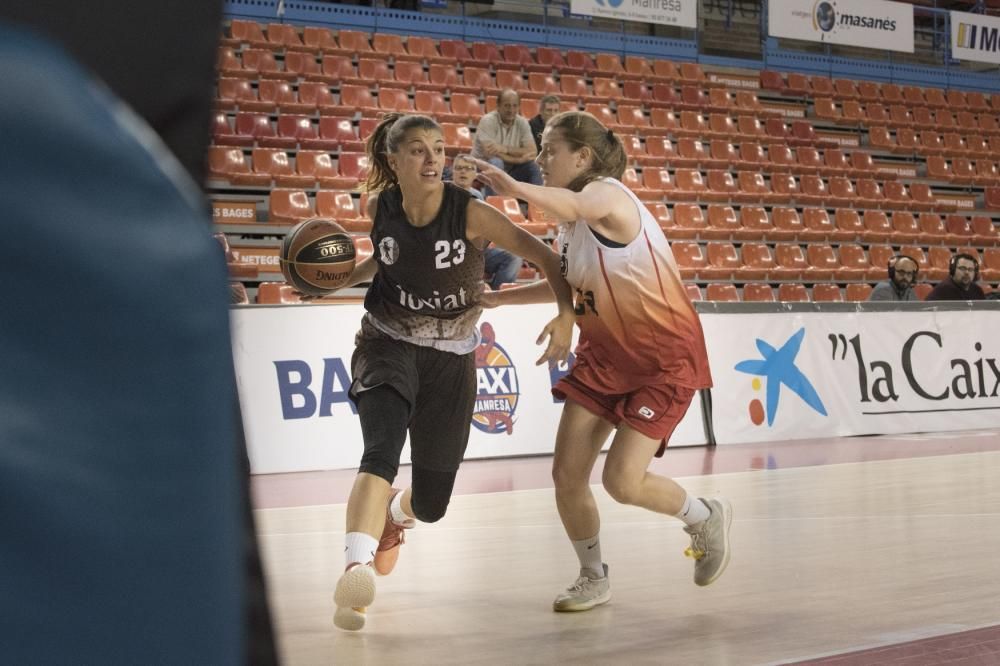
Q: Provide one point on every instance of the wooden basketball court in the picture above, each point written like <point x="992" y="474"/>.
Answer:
<point x="848" y="551"/>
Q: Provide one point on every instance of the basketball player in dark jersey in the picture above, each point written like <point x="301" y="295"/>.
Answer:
<point x="414" y="366"/>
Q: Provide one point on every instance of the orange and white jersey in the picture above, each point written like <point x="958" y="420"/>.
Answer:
<point x="636" y="320"/>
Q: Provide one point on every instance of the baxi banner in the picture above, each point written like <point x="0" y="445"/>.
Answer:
<point x="975" y="37"/>
<point x="293" y="367"/>
<point x="819" y="374"/>
<point x="681" y="13"/>
<point x="876" y="24"/>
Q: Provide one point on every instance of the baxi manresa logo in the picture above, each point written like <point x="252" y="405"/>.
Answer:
<point x="824" y="16"/>
<point x="777" y="367"/>
<point x="497" y="390"/>
<point x="610" y="3"/>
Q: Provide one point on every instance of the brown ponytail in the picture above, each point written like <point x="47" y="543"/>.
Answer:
<point x="384" y="140"/>
<point x="581" y="129"/>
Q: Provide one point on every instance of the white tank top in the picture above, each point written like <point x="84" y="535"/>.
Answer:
<point x="635" y="317"/>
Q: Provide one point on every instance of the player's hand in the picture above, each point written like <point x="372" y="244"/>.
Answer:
<point x="559" y="332"/>
<point x="498" y="179"/>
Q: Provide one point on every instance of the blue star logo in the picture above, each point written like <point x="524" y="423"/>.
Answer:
<point x="778" y="367"/>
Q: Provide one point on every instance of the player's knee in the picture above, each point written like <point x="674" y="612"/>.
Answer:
<point x="565" y="479"/>
<point x="431" y="493"/>
<point x="621" y="488"/>
<point x="429" y="511"/>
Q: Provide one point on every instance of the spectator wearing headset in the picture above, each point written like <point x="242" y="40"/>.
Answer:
<point x="899" y="287"/>
<point x="960" y="285"/>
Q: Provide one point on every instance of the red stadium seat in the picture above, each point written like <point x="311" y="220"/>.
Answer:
<point x="847" y="225"/>
<point x="723" y="293"/>
<point x="823" y="262"/>
<point x="877" y="227"/>
<point x="984" y="230"/>
<point x="247" y="32"/>
<point x="878" y="259"/>
<point x="857" y="293"/>
<point x="793" y="293"/>
<point x="690" y="258"/>
<point x="791" y="261"/>
<point x="853" y="263"/>
<point x="827" y="293"/>
<point x="689" y="221"/>
<point x="264" y="63"/>
<point x="508" y="206"/>
<point x="318" y="165"/>
<point x="754" y="224"/>
<point x="278" y="166"/>
<point x="318" y="96"/>
<point x="755" y="292"/>
<point x="722" y="222"/>
<point x="758" y="262"/>
<point x="904" y="227"/>
<point x="816" y="224"/>
<point x="723" y="261"/>
<point x="289" y="206"/>
<point x="787" y="223"/>
<point x="230" y="164"/>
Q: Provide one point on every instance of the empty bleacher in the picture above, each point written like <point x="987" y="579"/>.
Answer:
<point x="804" y="181"/>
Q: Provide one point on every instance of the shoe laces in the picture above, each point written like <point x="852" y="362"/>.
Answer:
<point x="581" y="584"/>
<point x="699" y="546"/>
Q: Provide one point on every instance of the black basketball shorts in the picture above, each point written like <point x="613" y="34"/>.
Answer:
<point x="439" y="386"/>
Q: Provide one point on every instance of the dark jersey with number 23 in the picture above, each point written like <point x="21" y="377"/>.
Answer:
<point x="426" y="290"/>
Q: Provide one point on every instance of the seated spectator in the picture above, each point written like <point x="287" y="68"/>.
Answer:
<point x="501" y="265"/>
<point x="463" y="174"/>
<point x="503" y="138"/>
<point x="548" y="106"/>
<point x="899" y="287"/>
<point x="960" y="285"/>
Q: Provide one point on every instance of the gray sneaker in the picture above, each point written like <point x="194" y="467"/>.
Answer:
<point x="710" y="542"/>
<point x="585" y="593"/>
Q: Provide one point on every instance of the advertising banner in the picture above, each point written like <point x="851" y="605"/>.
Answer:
<point x="682" y="13"/>
<point x="874" y="24"/>
<point x="293" y="372"/>
<point x="801" y="375"/>
<point x="975" y="37"/>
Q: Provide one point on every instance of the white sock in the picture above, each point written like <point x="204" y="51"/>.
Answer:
<point x="589" y="553"/>
<point x="694" y="511"/>
<point x="359" y="547"/>
<point x="399" y="516"/>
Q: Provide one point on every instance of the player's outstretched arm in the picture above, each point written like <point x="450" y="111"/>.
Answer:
<point x="487" y="223"/>
<point x="594" y="202"/>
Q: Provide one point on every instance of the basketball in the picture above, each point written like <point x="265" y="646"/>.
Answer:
<point x="317" y="257"/>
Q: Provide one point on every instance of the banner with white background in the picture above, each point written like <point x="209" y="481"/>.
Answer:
<point x="975" y="37"/>
<point x="682" y="13"/>
<point x="293" y="371"/>
<point x="876" y="24"/>
<point x="801" y="375"/>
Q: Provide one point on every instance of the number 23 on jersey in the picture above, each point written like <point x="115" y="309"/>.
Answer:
<point x="448" y="254"/>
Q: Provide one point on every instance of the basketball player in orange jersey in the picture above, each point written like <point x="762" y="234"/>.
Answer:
<point x="641" y="355"/>
<point x="414" y="365"/>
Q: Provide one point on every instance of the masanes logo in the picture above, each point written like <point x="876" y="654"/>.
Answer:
<point x="497" y="389"/>
<point x="824" y="16"/>
<point x="777" y="367"/>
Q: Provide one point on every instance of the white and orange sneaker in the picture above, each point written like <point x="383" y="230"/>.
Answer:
<point x="392" y="538"/>
<point x="355" y="592"/>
